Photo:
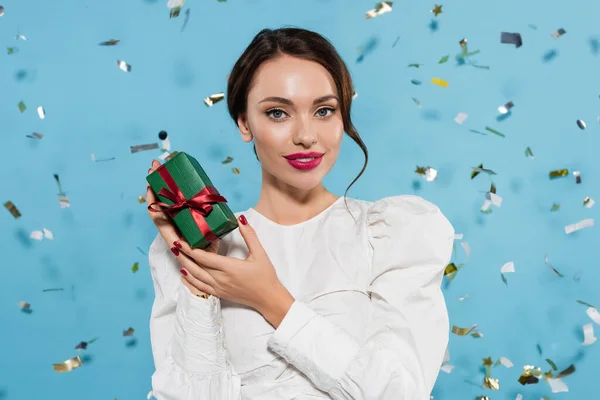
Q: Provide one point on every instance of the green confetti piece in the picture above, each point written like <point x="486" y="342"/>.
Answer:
<point x="415" y="82"/>
<point x="504" y="279"/>
<point x="444" y="59"/>
<point x="528" y="152"/>
<point x="585" y="304"/>
<point x="22" y="106"/>
<point x="495" y="132"/>
<point x="552" y="364"/>
<point x="488" y="211"/>
<point x="414" y="65"/>
<point x="10" y="50"/>
<point x="555" y="207"/>
<point x="93" y="340"/>
<point x="135" y="267"/>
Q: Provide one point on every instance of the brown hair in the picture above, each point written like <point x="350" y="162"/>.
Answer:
<point x="270" y="44"/>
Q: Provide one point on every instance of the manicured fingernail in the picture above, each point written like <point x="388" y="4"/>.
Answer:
<point x="243" y="220"/>
<point x="177" y="244"/>
<point x="175" y="250"/>
<point x="183" y="272"/>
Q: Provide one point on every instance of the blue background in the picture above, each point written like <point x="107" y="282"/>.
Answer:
<point x="94" y="107"/>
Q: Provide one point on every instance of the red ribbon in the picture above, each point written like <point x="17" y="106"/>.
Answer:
<point x="200" y="204"/>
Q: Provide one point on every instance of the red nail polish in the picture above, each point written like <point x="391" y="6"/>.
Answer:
<point x="183" y="271"/>
<point x="175" y="250"/>
<point x="243" y="220"/>
<point x="177" y="244"/>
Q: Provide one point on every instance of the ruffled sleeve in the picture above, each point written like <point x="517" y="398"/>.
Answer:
<point x="408" y="329"/>
<point x="187" y="339"/>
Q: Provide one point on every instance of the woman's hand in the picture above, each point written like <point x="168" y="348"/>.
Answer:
<point x="169" y="231"/>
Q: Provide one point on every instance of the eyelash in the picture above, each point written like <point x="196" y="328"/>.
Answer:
<point x="268" y="113"/>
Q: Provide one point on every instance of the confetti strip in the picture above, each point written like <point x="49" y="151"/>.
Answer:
<point x="495" y="132"/>
<point x="588" y="335"/>
<point x="111" y="42"/>
<point x="12" y="209"/>
<point x="68" y="365"/>
<point x="593" y="313"/>
<point x="586" y="223"/>
<point x="214" y="99"/>
<point x="380" y="9"/>
<point x="439" y="82"/>
<point x="143" y="147"/>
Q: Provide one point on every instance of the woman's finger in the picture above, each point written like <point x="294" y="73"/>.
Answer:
<point x="199" y="286"/>
<point x="193" y="289"/>
<point x="194" y="271"/>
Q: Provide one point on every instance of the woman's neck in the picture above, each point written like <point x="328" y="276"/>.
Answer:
<point x="291" y="208"/>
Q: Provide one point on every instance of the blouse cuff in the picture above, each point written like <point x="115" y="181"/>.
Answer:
<point x="318" y="348"/>
<point x="198" y="341"/>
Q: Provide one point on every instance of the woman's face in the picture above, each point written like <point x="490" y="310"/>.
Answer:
<point x="293" y="108"/>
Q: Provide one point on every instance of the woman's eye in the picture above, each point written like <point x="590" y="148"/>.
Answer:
<point x="275" y="113"/>
<point x="325" y="112"/>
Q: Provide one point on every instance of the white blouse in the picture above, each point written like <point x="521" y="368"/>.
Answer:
<point x="369" y="320"/>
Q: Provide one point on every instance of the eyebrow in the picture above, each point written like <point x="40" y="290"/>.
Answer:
<point x="283" y="100"/>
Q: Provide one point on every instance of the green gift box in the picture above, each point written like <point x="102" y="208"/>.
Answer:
<point x="187" y="195"/>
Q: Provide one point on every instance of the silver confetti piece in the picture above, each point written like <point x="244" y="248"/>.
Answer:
<point x="558" y="33"/>
<point x="123" y="66"/>
<point x="506" y="107"/>
<point x="143" y="147"/>
<point x="581" y="124"/>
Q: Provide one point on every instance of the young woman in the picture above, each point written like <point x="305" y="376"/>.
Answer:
<point x="312" y="297"/>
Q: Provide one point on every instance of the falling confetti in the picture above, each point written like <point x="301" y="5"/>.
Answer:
<point x="529" y="153"/>
<point x="1" y="11"/>
<point x="123" y="66"/>
<point x="581" y="124"/>
<point x="511" y="38"/>
<point x="460" y="118"/>
<point x="586" y="223"/>
<point x="12" y="209"/>
<point x="444" y="59"/>
<point x="479" y="169"/>
<point x="111" y="42"/>
<point x="439" y="82"/>
<point x="135" y="267"/>
<point x="462" y="331"/>
<point x="559" y="173"/>
<point x="214" y="99"/>
<point x="506" y="107"/>
<point x="551" y="267"/>
<point x="555" y="207"/>
<point x="428" y="173"/>
<point x="558" y="33"/>
<point x="128" y="332"/>
<point x="144" y="147"/>
<point x="227" y="160"/>
<point x="41" y="112"/>
<point x="68" y="365"/>
<point x="577" y="176"/>
<point x="24" y="306"/>
<point x="380" y="9"/>
<point x="35" y="135"/>
<point x="62" y="196"/>
<point x="437" y="9"/>
<point x="508" y="267"/>
<point x="175" y="7"/>
<point x="588" y="202"/>
<point x="39" y="235"/>
<point x="495" y="132"/>
<point x="236" y="171"/>
<point x="21" y="106"/>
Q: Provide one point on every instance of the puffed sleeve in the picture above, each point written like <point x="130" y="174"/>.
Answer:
<point x="408" y="328"/>
<point x="187" y="339"/>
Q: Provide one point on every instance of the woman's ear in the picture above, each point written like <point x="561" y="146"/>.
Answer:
<point x="242" y="123"/>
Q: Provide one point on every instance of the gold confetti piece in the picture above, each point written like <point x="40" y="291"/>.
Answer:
<point x="143" y="147"/>
<point x="559" y="173"/>
<point x="380" y="8"/>
<point x="128" y="332"/>
<point x="566" y="372"/>
<point x="24" y="306"/>
<point x="530" y="375"/>
<point x="12" y="209"/>
<point x="227" y="160"/>
<point x="462" y="331"/>
<point x="22" y="107"/>
<point x="111" y="42"/>
<point x="35" y="135"/>
<point x="135" y="267"/>
<point x="506" y="107"/>
<point x="428" y="173"/>
<point x="577" y="176"/>
<point x="586" y="223"/>
<point x="450" y="268"/>
<point x="552" y="268"/>
<point x="487" y="128"/>
<point x="437" y="9"/>
<point x="68" y="365"/>
<point x="460" y="118"/>
<point x="439" y="82"/>
<point x="41" y="112"/>
<point x="214" y="99"/>
<point x="236" y="171"/>
<point x="477" y="170"/>
<point x="558" y="33"/>
<point x="581" y="124"/>
<point x="491" y="383"/>
<point x="528" y="152"/>
<point x="123" y="66"/>
<point x="555" y="207"/>
<point x="588" y="202"/>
